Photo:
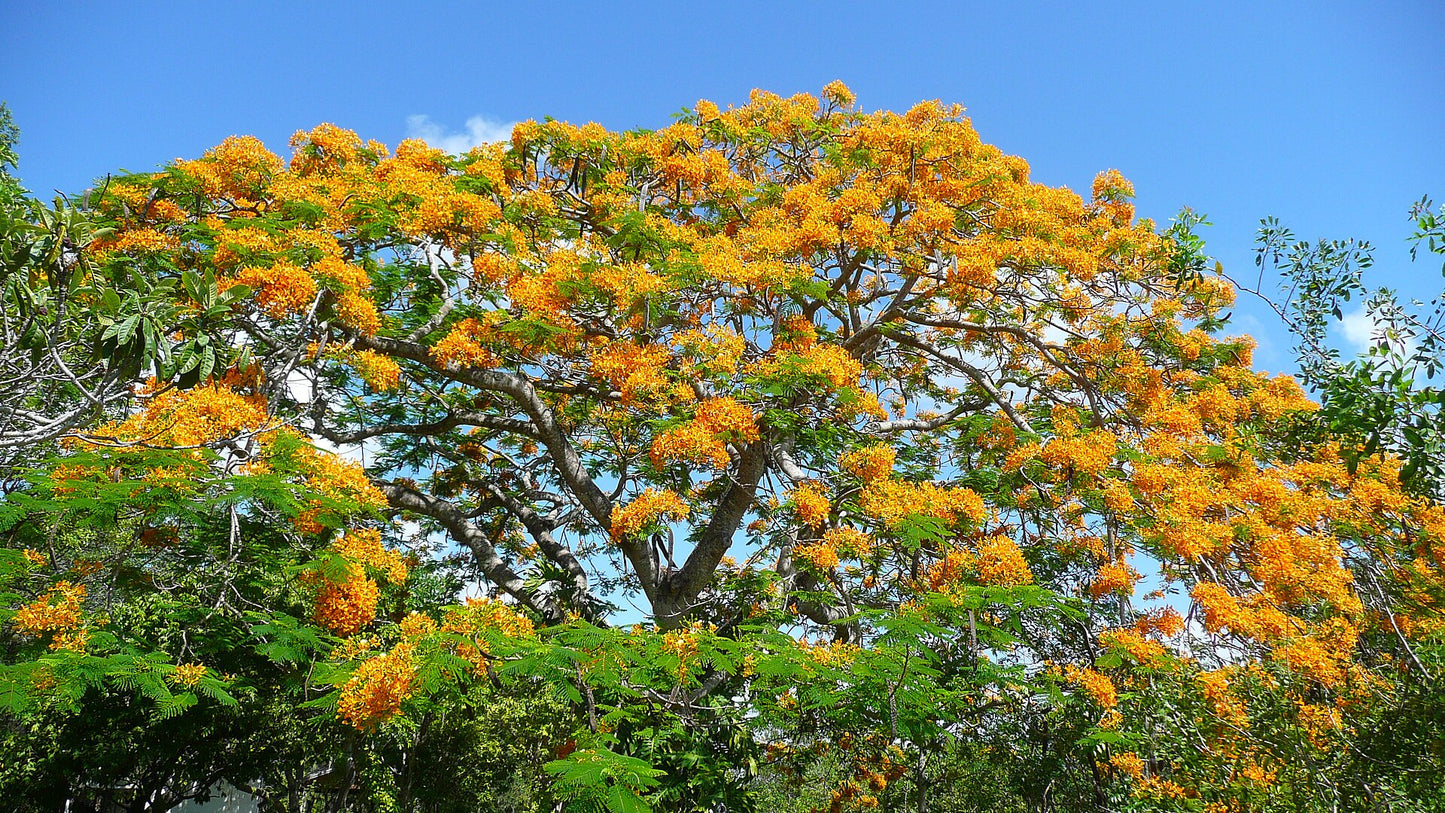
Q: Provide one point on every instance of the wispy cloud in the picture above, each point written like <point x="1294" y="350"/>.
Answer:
<point x="1357" y="328"/>
<point x="479" y="130"/>
<point x="1362" y="329"/>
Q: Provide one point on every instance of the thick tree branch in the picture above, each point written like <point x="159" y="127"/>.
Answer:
<point x="407" y="498"/>
<point x="541" y="531"/>
<point x="524" y="394"/>
<point x="684" y="586"/>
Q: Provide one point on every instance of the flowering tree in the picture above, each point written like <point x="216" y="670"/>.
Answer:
<point x="878" y="437"/>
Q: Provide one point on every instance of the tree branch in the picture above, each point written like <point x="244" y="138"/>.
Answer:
<point x="407" y="498"/>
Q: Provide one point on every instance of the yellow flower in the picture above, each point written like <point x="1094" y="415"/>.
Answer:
<point x="187" y="675"/>
<point x="893" y="501"/>
<point x="363" y="546"/>
<point x="820" y="555"/>
<point x="869" y="463"/>
<point x="381" y="373"/>
<point x="811" y="505"/>
<point x="345" y="606"/>
<point x="1115" y="577"/>
<point x="280" y="289"/>
<point x="56" y="611"/>
<point x="1001" y="562"/>
<point x="1096" y="684"/>
<point x="377" y="688"/>
<point x="650" y="506"/>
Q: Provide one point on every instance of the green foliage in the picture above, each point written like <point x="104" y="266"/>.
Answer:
<point x="1388" y="400"/>
<point x="596" y="779"/>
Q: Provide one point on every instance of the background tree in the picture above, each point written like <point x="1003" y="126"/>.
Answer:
<point x="1386" y="400"/>
<point x="72" y="343"/>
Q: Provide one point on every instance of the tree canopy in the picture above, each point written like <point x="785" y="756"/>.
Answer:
<point x="789" y="445"/>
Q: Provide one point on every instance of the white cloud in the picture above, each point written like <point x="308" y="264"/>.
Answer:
<point x="479" y="130"/>
<point x="1361" y="330"/>
<point x="1357" y="327"/>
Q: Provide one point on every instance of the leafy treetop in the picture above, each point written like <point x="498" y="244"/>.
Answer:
<point x="787" y="364"/>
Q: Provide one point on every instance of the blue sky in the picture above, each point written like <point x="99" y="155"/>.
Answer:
<point x="1325" y="114"/>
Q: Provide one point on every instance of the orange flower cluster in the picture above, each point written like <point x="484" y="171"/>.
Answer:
<point x="811" y="504"/>
<point x="702" y="440"/>
<point x="637" y="371"/>
<point x="849" y="542"/>
<point x="325" y="147"/>
<point x="1323" y="654"/>
<point x="820" y="555"/>
<point x="693" y="442"/>
<point x="714" y="352"/>
<point x="1090" y="454"/>
<point x="141" y="241"/>
<point x="57" y="611"/>
<point x="333" y="478"/>
<point x="1128" y="763"/>
<point x="1321" y="723"/>
<point x="1114" y="577"/>
<point x="463" y="346"/>
<point x="728" y="417"/>
<point x="891" y="502"/>
<point x="337" y="274"/>
<point x="1112" y="193"/>
<point x="836" y="544"/>
<point x="479" y="617"/>
<point x="1158" y="788"/>
<point x="138" y="201"/>
<point x="1254" y="616"/>
<point x="358" y="312"/>
<point x="996" y="560"/>
<point x="1096" y="684"/>
<point x="626" y="284"/>
<point x="237" y="168"/>
<point x="345" y="606"/>
<point x="649" y="507"/>
<point x="1117" y="497"/>
<point x="363" y="546"/>
<point x="834" y="654"/>
<point x="1262" y="542"/>
<point x="956" y="565"/>
<point x="1164" y="621"/>
<point x="376" y="690"/>
<point x="380" y="372"/>
<point x="828" y="366"/>
<point x="869" y="463"/>
<point x="327" y="170"/>
<point x="683" y="645"/>
<point x="547" y="294"/>
<point x="1136" y="646"/>
<point x="281" y="289"/>
<point x="1257" y="774"/>
<point x="417" y="626"/>
<point x="1000" y="562"/>
<point x="195" y="417"/>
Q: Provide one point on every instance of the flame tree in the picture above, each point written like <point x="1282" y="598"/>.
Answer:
<point x="882" y="440"/>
